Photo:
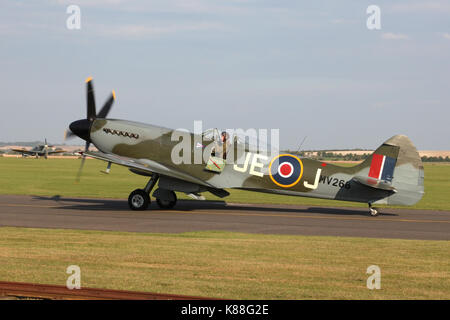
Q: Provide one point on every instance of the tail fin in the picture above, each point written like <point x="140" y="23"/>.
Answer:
<point x="397" y="163"/>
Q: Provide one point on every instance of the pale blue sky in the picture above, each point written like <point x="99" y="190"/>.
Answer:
<point x="307" y="68"/>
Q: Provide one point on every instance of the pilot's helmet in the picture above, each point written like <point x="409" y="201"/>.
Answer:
<point x="225" y="136"/>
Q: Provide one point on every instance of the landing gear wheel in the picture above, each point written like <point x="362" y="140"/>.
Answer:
<point x="138" y="200"/>
<point x="167" y="204"/>
<point x="373" y="212"/>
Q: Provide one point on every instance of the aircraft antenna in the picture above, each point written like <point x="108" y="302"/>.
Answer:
<point x="300" y="146"/>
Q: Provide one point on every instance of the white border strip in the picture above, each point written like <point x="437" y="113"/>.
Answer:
<point x="381" y="169"/>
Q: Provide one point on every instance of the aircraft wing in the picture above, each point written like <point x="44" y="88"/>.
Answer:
<point x="146" y="166"/>
<point x="24" y="151"/>
<point x="56" y="151"/>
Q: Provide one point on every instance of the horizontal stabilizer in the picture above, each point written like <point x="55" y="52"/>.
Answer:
<point x="374" y="183"/>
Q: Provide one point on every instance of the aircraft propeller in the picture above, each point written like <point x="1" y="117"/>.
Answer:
<point x="82" y="128"/>
<point x="46" y="148"/>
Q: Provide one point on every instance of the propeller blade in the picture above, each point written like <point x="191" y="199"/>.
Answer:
<point x="91" y="113"/>
<point x="80" y="170"/>
<point x="107" y="106"/>
<point x="69" y="134"/>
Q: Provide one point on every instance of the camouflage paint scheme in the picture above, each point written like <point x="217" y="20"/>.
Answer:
<point x="149" y="150"/>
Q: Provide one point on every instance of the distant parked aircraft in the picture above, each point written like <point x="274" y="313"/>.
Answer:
<point x="42" y="150"/>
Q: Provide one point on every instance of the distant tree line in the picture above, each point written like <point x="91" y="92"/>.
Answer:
<point x="435" y="159"/>
<point x="331" y="156"/>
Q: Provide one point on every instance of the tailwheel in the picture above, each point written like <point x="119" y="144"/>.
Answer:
<point x="373" y="211"/>
<point x="166" y="199"/>
<point x="138" y="200"/>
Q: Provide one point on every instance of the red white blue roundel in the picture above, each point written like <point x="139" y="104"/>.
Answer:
<point x="286" y="170"/>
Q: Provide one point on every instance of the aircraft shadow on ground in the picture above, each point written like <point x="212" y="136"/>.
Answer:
<point x="191" y="205"/>
<point x="86" y="204"/>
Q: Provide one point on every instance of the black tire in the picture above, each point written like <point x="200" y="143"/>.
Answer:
<point x="138" y="200"/>
<point x="167" y="204"/>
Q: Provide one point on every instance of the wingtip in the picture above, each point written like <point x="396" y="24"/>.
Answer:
<point x="114" y="94"/>
<point x="89" y="79"/>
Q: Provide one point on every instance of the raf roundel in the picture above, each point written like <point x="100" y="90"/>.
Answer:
<point x="286" y="170"/>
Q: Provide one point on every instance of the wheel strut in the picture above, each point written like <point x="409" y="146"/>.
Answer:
<point x="151" y="183"/>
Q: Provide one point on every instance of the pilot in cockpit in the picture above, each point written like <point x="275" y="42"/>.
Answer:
<point x="222" y="146"/>
<point x="225" y="139"/>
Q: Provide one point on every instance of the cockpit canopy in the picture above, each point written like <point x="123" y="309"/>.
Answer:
<point x="248" y="140"/>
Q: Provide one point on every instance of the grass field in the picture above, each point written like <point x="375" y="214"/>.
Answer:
<point x="215" y="264"/>
<point x="229" y="265"/>
<point x="57" y="177"/>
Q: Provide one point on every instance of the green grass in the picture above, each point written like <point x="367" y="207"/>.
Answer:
<point x="57" y="177"/>
<point x="229" y="265"/>
<point x="215" y="264"/>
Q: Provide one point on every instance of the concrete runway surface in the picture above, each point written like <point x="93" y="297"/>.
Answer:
<point x="114" y="215"/>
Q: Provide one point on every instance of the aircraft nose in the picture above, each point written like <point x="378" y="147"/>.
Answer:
<point x="82" y="128"/>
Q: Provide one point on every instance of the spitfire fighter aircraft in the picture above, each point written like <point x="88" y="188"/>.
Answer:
<point x="392" y="175"/>
<point x="42" y="150"/>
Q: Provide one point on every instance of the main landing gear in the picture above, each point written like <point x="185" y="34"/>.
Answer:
<point x="373" y="211"/>
<point x="167" y="204"/>
<point x="139" y="199"/>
